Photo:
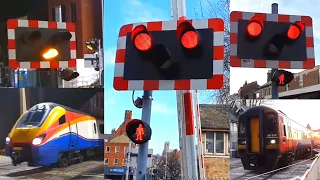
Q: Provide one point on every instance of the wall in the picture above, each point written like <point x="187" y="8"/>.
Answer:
<point x="88" y="20"/>
<point x="9" y="110"/>
<point x="217" y="168"/>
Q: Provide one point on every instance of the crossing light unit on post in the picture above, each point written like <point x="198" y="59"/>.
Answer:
<point x="270" y="39"/>
<point x="138" y="131"/>
<point x="282" y="77"/>
<point x="68" y="74"/>
<point x="92" y="45"/>
<point x="170" y="55"/>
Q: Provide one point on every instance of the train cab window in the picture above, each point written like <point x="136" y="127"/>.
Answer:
<point x="95" y="128"/>
<point x="34" y="117"/>
<point x="101" y="128"/>
<point x="62" y="119"/>
<point x="284" y="130"/>
<point x="271" y="125"/>
<point x="241" y="128"/>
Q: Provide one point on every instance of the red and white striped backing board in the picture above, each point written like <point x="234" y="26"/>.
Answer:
<point x="254" y="63"/>
<point x="12" y="24"/>
<point x="216" y="82"/>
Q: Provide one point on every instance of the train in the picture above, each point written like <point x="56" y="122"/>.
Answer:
<point x="53" y="134"/>
<point x="268" y="139"/>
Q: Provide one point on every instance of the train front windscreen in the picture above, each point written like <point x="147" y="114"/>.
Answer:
<point x="34" y="117"/>
<point x="271" y="126"/>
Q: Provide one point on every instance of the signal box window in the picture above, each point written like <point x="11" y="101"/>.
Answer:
<point x="101" y="128"/>
<point x="107" y="149"/>
<point x="106" y="161"/>
<point x="62" y="119"/>
<point x="115" y="161"/>
<point x="117" y="149"/>
<point x="215" y="142"/>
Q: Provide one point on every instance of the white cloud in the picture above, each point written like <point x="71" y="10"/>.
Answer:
<point x="162" y="108"/>
<point x="302" y="111"/>
<point x="294" y="7"/>
<point x="138" y="11"/>
<point x="109" y="56"/>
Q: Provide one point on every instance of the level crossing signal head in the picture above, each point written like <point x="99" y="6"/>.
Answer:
<point x="269" y="39"/>
<point x="282" y="77"/>
<point x="68" y="74"/>
<point x="170" y="51"/>
<point x="138" y="131"/>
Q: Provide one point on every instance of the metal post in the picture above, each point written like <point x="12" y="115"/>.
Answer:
<point x="100" y="62"/>
<point x="143" y="148"/>
<point x="185" y="113"/>
<point x="274" y="87"/>
<point x="199" y="133"/>
<point x="128" y="161"/>
<point x="53" y="72"/>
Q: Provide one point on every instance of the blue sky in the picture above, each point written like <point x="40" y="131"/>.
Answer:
<point x="164" y="121"/>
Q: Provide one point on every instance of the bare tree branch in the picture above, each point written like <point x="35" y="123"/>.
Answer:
<point x="220" y="9"/>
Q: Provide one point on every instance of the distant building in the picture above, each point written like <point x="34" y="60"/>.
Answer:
<point x="305" y="85"/>
<point x="215" y="120"/>
<point x="116" y="149"/>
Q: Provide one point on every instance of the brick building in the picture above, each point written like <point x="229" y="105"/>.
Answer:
<point x="215" y="121"/>
<point x="115" y="150"/>
<point x="87" y="16"/>
<point x="305" y="85"/>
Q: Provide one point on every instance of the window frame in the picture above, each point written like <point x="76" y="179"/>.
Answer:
<point x="114" y="161"/>
<point x="105" y="161"/>
<point x="115" y="149"/>
<point x="107" y="149"/>
<point x="225" y="152"/>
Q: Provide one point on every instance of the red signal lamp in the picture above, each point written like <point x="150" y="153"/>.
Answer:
<point x="255" y="26"/>
<point x="141" y="38"/>
<point x="187" y="35"/>
<point x="295" y="30"/>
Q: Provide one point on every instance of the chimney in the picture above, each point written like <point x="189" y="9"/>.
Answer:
<point x="269" y="75"/>
<point x="127" y="115"/>
<point x="113" y="131"/>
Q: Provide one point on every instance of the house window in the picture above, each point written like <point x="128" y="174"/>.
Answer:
<point x="117" y="150"/>
<point x="107" y="149"/>
<point x="106" y="161"/>
<point x="73" y="12"/>
<point x="63" y="14"/>
<point x="124" y="162"/>
<point x="115" y="162"/>
<point x="215" y="142"/>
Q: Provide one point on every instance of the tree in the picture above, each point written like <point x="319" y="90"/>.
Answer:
<point x="219" y="9"/>
<point x="173" y="171"/>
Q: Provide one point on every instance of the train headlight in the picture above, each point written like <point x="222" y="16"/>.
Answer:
<point x="38" y="140"/>
<point x="7" y="140"/>
<point x="272" y="141"/>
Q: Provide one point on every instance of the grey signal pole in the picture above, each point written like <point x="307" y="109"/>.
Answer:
<point x="274" y="87"/>
<point x="143" y="148"/>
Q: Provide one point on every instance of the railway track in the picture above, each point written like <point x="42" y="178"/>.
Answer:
<point x="298" y="168"/>
<point x="66" y="173"/>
